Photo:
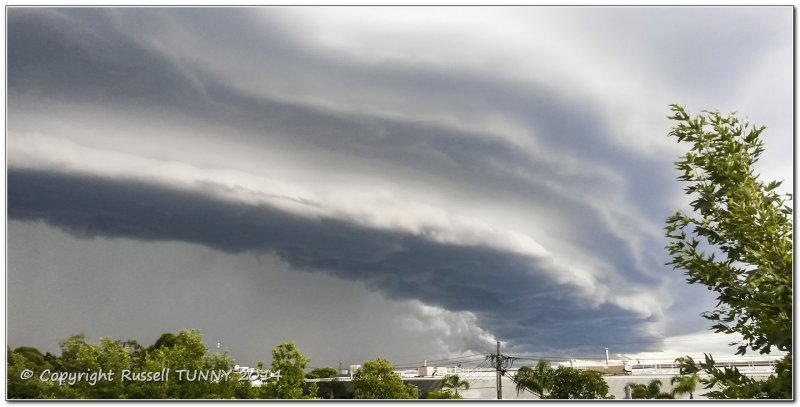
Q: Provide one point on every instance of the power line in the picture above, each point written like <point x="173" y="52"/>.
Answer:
<point x="481" y="375"/>
<point x="517" y="386"/>
<point x="501" y="363"/>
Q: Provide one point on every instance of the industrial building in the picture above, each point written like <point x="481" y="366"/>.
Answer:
<point x="617" y="373"/>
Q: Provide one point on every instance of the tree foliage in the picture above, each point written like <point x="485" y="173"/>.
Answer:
<point x="290" y="363"/>
<point x="376" y="379"/>
<point x="442" y="395"/>
<point x="537" y="379"/>
<point x="571" y="383"/>
<point x="19" y="388"/>
<point x="737" y="242"/>
<point x="333" y="389"/>
<point x="453" y="383"/>
<point x="322" y="373"/>
<point x="732" y="384"/>
<point x="684" y="384"/>
<point x="185" y="350"/>
<point x="561" y="383"/>
<point x="33" y="357"/>
<point x="651" y="390"/>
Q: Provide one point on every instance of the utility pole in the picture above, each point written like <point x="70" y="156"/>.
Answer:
<point x="499" y="375"/>
<point x="501" y="363"/>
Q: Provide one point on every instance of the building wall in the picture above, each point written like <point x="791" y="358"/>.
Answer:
<point x="484" y="388"/>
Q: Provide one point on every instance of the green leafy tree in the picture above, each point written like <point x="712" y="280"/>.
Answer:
<point x="537" y="379"/>
<point x="333" y="389"/>
<point x="34" y="358"/>
<point x="53" y="360"/>
<point x="112" y="356"/>
<point x="232" y="388"/>
<point x="26" y="357"/>
<point x="166" y="340"/>
<point x="738" y="243"/>
<point x="651" y="390"/>
<point x="135" y="350"/>
<point x="453" y="383"/>
<point x="79" y="356"/>
<point x="185" y="350"/>
<point x="32" y="388"/>
<point x="327" y="389"/>
<point x="376" y="379"/>
<point x="571" y="383"/>
<point x="442" y="395"/>
<point x="19" y="388"/>
<point x="684" y="384"/>
<point x="290" y="364"/>
<point x="322" y="373"/>
<point x="733" y="384"/>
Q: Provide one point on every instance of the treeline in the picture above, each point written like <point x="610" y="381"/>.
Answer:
<point x="181" y="367"/>
<point x="174" y="367"/>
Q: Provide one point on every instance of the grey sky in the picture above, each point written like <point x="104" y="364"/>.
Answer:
<point x="454" y="174"/>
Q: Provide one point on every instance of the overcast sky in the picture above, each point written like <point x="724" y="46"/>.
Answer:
<point x="406" y="182"/>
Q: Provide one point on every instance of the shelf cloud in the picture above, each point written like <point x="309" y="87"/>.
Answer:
<point x="498" y="174"/>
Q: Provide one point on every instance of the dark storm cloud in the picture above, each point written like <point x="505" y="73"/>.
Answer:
<point x="413" y="128"/>
<point x="508" y="293"/>
<point x="97" y="57"/>
<point x="90" y="54"/>
<point x="53" y="55"/>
